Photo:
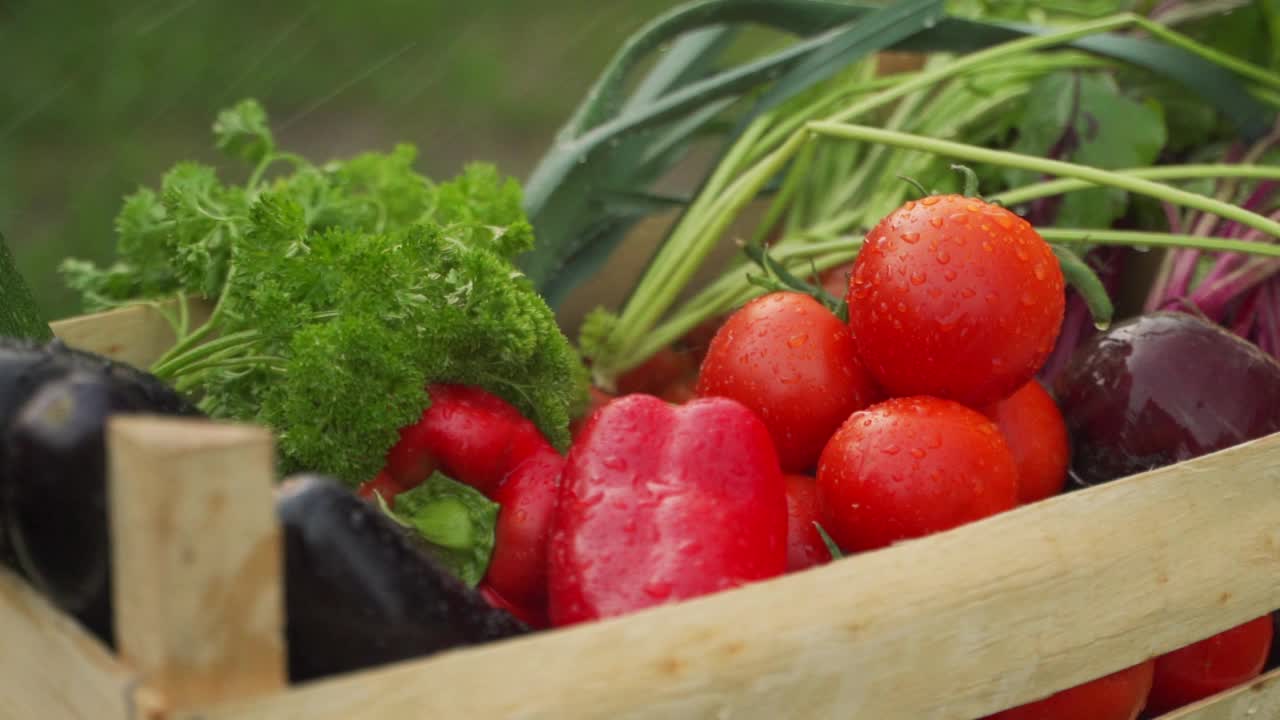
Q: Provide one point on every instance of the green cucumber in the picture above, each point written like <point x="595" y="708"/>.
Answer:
<point x="19" y="316"/>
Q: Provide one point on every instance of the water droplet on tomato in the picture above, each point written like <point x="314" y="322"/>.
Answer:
<point x="1027" y="299"/>
<point x="967" y="293"/>
<point x="949" y="274"/>
<point x="1039" y="271"/>
<point x="917" y="278"/>
<point x="613" y="462"/>
<point x="943" y="257"/>
<point x="1021" y="253"/>
<point x="930" y="201"/>
<point x="657" y="589"/>
<point x="796" y="341"/>
<point x="917" y="453"/>
<point x="936" y="222"/>
<point x="1005" y="221"/>
<point x="890" y="449"/>
<point x="987" y="246"/>
<point x="909" y="205"/>
<point x="911" y="238"/>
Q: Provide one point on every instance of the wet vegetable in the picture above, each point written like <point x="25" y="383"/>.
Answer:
<point x="361" y="591"/>
<point x="1163" y="388"/>
<point x="660" y="504"/>
<point x="54" y="404"/>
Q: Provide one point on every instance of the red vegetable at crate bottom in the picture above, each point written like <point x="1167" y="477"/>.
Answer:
<point x="805" y="547"/>
<point x="1034" y="430"/>
<point x="1119" y="696"/>
<point x="956" y="298"/>
<point x="660" y="503"/>
<point x="467" y="433"/>
<point x="527" y="500"/>
<point x="909" y="467"/>
<point x="791" y="360"/>
<point x="1208" y="667"/>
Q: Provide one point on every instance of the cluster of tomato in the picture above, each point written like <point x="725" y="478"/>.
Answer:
<point x="921" y="412"/>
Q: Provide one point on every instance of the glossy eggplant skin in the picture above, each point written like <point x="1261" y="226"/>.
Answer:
<point x="54" y="404"/>
<point x="1162" y="388"/>
<point x="361" y="592"/>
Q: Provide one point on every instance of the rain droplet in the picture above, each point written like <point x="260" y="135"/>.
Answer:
<point x="918" y="453"/>
<point x="613" y="462"/>
<point x="936" y="222"/>
<point x="796" y="341"/>
<point x="890" y="449"/>
<point x="1027" y="300"/>
<point x="911" y="238"/>
<point x="917" y="278"/>
<point x="1039" y="271"/>
<point x="657" y="589"/>
<point x="943" y="257"/>
<point x="949" y="274"/>
<point x="930" y="201"/>
<point x="987" y="246"/>
<point x="902" y="307"/>
<point x="909" y="205"/>
<point x="967" y="293"/>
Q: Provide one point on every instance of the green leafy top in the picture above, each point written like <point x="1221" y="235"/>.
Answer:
<point x="342" y="292"/>
<point x="456" y="522"/>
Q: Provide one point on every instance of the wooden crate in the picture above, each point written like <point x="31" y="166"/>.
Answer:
<point x="956" y="625"/>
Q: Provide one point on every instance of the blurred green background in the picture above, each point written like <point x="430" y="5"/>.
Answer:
<point x="101" y="97"/>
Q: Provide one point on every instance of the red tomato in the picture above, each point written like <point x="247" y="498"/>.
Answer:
<point x="527" y="500"/>
<point x="1210" y="666"/>
<point x="1037" y="435"/>
<point x="792" y="362"/>
<point x="955" y="298"/>
<point x="909" y="467"/>
<point x="1119" y="696"/>
<point x="804" y="545"/>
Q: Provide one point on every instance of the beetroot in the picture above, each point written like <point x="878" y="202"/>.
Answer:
<point x="1162" y="388"/>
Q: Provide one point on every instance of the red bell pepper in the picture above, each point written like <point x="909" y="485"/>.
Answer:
<point x="660" y="503"/>
<point x="468" y="434"/>
<point x="518" y="568"/>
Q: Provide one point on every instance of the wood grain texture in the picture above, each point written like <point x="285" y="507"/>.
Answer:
<point x="50" y="668"/>
<point x="1259" y="700"/>
<point x="197" y="557"/>
<point x="137" y="335"/>
<point x="954" y="626"/>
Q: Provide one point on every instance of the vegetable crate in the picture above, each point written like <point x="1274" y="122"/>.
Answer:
<point x="955" y="625"/>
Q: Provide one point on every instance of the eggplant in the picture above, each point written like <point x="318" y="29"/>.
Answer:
<point x="361" y="591"/>
<point x="1162" y="388"/>
<point x="54" y="404"/>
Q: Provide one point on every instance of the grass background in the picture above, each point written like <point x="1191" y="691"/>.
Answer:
<point x="99" y="98"/>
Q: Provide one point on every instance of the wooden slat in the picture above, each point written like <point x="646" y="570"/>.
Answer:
<point x="137" y="335"/>
<point x="50" y="668"/>
<point x="1259" y="700"/>
<point x="197" y="557"/>
<point x="957" y="625"/>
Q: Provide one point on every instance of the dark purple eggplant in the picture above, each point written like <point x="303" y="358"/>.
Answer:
<point x="54" y="404"/>
<point x="1162" y="388"/>
<point x="361" y="591"/>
